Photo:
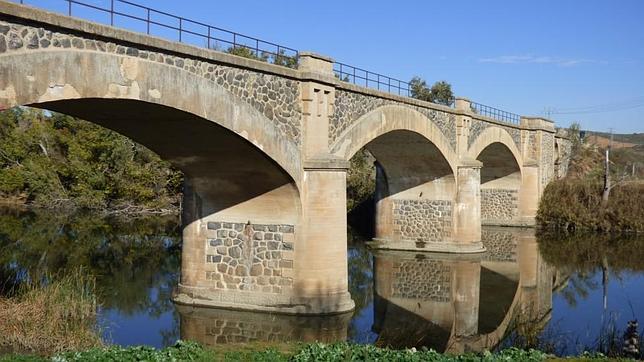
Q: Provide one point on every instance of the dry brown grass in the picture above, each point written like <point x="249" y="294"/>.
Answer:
<point x="574" y="204"/>
<point x="52" y="316"/>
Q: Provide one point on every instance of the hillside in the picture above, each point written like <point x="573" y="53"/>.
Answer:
<point x="632" y="138"/>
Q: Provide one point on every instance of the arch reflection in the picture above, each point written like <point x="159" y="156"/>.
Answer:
<point x="462" y="303"/>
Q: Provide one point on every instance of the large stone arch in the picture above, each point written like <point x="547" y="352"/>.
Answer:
<point x="39" y="77"/>
<point x="386" y="119"/>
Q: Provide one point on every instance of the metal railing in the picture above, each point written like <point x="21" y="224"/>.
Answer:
<point x="495" y="113"/>
<point x="212" y="37"/>
<point x="365" y="78"/>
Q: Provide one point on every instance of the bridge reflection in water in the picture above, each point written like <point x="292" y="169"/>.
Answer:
<point x="441" y="301"/>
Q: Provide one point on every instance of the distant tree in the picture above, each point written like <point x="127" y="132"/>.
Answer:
<point x="419" y="89"/>
<point x="574" y="133"/>
<point x="54" y="160"/>
<point x="285" y="60"/>
<point x="440" y="92"/>
<point x="281" y="58"/>
<point x="247" y="52"/>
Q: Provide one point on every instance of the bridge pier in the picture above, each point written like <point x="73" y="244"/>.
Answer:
<point x="467" y="210"/>
<point x="321" y="264"/>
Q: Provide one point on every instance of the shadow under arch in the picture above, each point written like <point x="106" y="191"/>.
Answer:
<point x="225" y="169"/>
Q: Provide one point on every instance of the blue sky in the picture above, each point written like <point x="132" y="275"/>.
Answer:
<point x="520" y="56"/>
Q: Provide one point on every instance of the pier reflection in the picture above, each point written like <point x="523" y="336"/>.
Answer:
<point x="210" y="326"/>
<point x="460" y="303"/>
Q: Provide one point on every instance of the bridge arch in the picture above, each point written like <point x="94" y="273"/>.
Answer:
<point x="65" y="78"/>
<point x="386" y="119"/>
<point x="495" y="135"/>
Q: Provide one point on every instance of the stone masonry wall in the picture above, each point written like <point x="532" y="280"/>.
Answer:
<point x="499" y="204"/>
<point x="422" y="220"/>
<point x="422" y="279"/>
<point x="477" y="127"/>
<point x="249" y="257"/>
<point x="350" y="106"/>
<point x="275" y="97"/>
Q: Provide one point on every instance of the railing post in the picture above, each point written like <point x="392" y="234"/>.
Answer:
<point x="112" y="12"/>
<point x="209" y="37"/>
<point x="234" y="40"/>
<point x="257" y="47"/>
<point x="148" y="23"/>
<point x="69" y="7"/>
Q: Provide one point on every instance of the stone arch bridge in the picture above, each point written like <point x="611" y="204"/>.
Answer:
<point x="265" y="151"/>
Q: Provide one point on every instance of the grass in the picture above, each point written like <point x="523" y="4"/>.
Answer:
<point x="576" y="204"/>
<point x="190" y="351"/>
<point x="50" y="316"/>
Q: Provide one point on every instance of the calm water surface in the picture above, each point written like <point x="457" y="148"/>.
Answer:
<point x="563" y="295"/>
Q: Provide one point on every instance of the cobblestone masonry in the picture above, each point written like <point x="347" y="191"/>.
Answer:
<point x="500" y="245"/>
<point x="477" y="127"/>
<point x="351" y="106"/>
<point x="249" y="257"/>
<point x="422" y="220"/>
<point x="422" y="279"/>
<point x="275" y="97"/>
<point x="499" y="204"/>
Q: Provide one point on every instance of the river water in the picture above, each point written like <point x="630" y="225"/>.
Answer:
<point x="560" y="294"/>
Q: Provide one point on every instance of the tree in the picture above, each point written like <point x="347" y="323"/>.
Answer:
<point x="439" y="93"/>
<point x="419" y="89"/>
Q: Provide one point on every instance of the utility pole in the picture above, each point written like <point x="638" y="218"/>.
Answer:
<point x="606" y="192"/>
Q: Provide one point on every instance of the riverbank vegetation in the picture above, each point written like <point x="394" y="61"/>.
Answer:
<point x="579" y="202"/>
<point x="189" y="351"/>
<point x="51" y="315"/>
<point x="51" y="160"/>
